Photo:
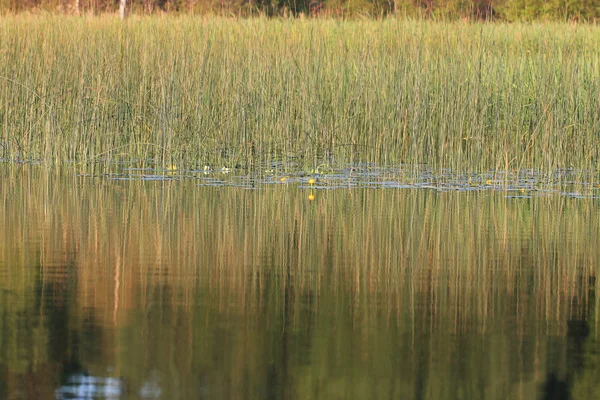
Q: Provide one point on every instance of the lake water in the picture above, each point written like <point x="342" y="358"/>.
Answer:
<point x="193" y="285"/>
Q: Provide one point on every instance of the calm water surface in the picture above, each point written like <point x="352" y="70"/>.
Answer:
<point x="117" y="288"/>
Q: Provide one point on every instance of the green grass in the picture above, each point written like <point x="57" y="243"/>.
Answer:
<point x="467" y="97"/>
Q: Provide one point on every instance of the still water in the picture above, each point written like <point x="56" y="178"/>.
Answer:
<point x="119" y="288"/>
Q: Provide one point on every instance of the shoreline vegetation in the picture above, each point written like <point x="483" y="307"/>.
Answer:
<point x="462" y="96"/>
<point x="501" y="10"/>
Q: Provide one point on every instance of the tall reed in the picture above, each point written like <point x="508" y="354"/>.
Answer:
<point x="459" y="96"/>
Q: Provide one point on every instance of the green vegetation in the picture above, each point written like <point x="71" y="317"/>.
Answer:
<point x="468" y="97"/>
<point x="510" y="10"/>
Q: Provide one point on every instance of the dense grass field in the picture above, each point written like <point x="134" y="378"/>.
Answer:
<point x="458" y="96"/>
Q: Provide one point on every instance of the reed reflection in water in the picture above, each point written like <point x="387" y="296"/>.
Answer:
<point x="165" y="289"/>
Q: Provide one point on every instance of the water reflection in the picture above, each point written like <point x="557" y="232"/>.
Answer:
<point x="83" y="387"/>
<point x="167" y="289"/>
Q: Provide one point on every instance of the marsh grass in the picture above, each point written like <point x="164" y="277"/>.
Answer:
<point x="466" y="97"/>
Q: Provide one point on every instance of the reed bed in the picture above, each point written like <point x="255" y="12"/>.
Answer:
<point x="468" y="97"/>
